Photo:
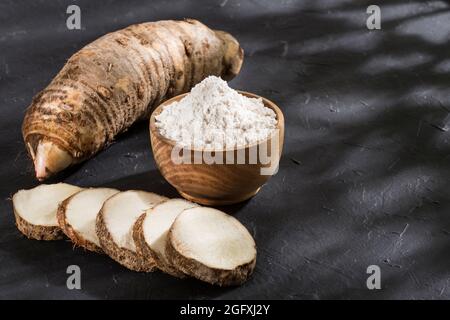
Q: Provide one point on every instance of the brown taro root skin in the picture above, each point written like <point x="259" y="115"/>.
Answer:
<point x="117" y="79"/>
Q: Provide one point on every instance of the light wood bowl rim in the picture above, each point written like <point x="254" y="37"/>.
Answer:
<point x="267" y="103"/>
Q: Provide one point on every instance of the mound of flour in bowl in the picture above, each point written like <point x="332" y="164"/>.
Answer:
<point x="214" y="116"/>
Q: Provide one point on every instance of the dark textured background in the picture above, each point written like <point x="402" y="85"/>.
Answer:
<point x="365" y="174"/>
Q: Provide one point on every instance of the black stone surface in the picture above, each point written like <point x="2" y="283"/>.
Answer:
<point x="364" y="178"/>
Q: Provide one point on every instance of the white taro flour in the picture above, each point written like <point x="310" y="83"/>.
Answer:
<point x="214" y="116"/>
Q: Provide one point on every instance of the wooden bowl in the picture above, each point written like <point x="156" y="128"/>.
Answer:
<point x="218" y="183"/>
